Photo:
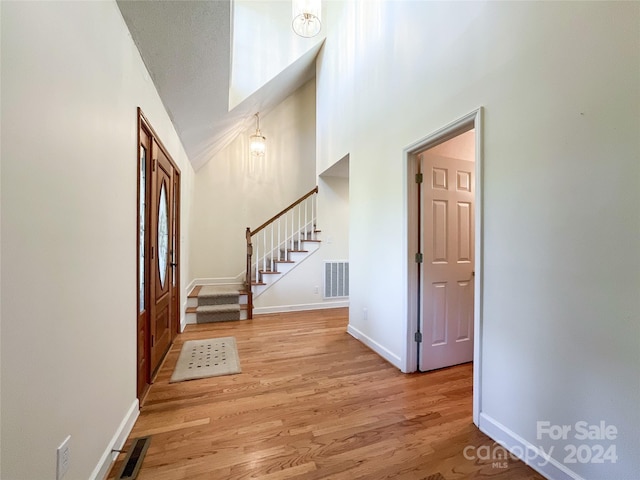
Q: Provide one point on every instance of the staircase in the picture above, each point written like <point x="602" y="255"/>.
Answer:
<point x="273" y="250"/>
<point x="216" y="303"/>
<point x="278" y="245"/>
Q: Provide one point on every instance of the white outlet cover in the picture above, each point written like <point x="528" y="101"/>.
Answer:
<point x="63" y="458"/>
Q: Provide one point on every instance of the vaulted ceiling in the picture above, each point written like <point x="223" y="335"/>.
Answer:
<point x="188" y="47"/>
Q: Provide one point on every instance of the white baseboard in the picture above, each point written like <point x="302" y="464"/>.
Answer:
<point x="389" y="356"/>
<point x="109" y="456"/>
<point x="300" y="308"/>
<point x="215" y="281"/>
<point x="190" y="287"/>
<point x="528" y="453"/>
<point x="183" y="316"/>
<point x="189" y="319"/>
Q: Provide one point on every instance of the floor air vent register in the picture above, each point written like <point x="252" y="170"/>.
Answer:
<point x="134" y="458"/>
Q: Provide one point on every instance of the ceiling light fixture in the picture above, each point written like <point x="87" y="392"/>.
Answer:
<point x="257" y="142"/>
<point x="306" y="17"/>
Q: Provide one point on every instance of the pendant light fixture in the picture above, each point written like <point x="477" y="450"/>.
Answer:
<point x="257" y="142"/>
<point x="306" y="17"/>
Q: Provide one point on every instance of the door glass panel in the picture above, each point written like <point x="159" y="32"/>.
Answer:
<point x="141" y="226"/>
<point x="174" y="245"/>
<point x="163" y="234"/>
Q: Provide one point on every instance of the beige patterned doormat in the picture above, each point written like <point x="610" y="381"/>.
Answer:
<point x="207" y="358"/>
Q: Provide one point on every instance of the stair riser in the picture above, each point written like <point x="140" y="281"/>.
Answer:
<point x="285" y="268"/>
<point x="218" y="300"/>
<point x="193" y="301"/>
<point x="192" y="318"/>
<point x="217" y="317"/>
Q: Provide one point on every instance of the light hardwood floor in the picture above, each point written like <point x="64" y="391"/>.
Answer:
<point x="311" y="403"/>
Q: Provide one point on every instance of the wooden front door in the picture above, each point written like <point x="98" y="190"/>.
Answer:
<point x="447" y="269"/>
<point x="162" y="224"/>
<point x="158" y="254"/>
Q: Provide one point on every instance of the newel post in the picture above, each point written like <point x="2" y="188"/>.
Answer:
<point x="248" y="274"/>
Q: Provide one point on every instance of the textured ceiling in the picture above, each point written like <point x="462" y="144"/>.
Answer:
<point x="186" y="46"/>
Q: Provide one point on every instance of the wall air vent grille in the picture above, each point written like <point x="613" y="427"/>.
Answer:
<point x="336" y="279"/>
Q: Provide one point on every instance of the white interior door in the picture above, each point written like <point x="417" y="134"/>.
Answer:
<point x="447" y="225"/>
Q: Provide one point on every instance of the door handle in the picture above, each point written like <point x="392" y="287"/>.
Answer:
<point x="173" y="264"/>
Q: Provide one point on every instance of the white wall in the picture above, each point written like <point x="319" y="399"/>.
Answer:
<point x="560" y="83"/>
<point x="71" y="81"/>
<point x="263" y="45"/>
<point x="234" y="191"/>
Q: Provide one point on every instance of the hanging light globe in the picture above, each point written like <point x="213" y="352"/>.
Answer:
<point x="307" y="17"/>
<point x="257" y="141"/>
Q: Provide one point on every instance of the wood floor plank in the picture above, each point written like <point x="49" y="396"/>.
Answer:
<point x="311" y="403"/>
<point x="173" y="427"/>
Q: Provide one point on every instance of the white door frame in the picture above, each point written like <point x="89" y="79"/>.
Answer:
<point x="453" y="129"/>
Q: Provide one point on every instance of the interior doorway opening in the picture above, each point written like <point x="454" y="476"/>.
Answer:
<point x="444" y="227"/>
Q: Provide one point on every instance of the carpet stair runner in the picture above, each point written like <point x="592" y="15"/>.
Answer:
<point x="217" y="304"/>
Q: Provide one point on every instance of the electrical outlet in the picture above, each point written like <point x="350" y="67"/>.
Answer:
<point x="63" y="457"/>
<point x="365" y="314"/>
<point x="316" y="289"/>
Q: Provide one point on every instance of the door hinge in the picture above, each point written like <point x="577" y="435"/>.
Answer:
<point x="418" y="337"/>
<point x="418" y="258"/>
<point x="153" y="253"/>
<point x="152" y="340"/>
<point x="418" y="178"/>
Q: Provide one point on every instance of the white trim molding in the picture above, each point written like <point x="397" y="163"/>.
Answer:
<point x="388" y="355"/>
<point x="300" y="308"/>
<point x="109" y="456"/>
<point x="215" y="281"/>
<point x="183" y="316"/>
<point x="533" y="456"/>
<point x="410" y="361"/>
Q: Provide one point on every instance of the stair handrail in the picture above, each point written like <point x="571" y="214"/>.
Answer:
<point x="278" y="215"/>
<point x="250" y="233"/>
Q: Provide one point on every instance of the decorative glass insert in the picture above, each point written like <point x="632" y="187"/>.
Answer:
<point x="163" y="234"/>
<point x="174" y="246"/>
<point x="141" y="226"/>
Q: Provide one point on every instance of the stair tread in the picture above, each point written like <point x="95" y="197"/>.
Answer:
<point x="218" y="308"/>
<point x="219" y="295"/>
<point x="298" y="251"/>
<point x="269" y="272"/>
<point x="284" y="261"/>
<point x="219" y="290"/>
<point x="195" y="291"/>
<point x="308" y="240"/>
